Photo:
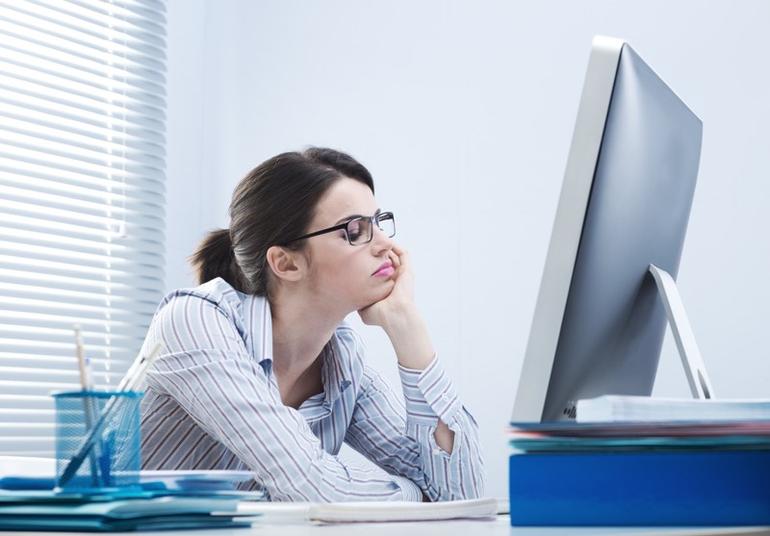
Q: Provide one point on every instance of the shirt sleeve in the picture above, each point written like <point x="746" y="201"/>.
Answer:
<point x="206" y="368"/>
<point x="398" y="433"/>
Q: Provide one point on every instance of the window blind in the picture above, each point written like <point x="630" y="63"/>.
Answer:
<point x="82" y="170"/>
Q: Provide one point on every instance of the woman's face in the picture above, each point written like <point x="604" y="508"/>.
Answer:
<point x="339" y="273"/>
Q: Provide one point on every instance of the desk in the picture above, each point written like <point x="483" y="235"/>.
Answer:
<point x="495" y="527"/>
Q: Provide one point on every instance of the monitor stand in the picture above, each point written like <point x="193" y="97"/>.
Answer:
<point x="694" y="369"/>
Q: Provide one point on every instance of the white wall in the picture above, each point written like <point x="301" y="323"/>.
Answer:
<point x="463" y="111"/>
<point x="187" y="214"/>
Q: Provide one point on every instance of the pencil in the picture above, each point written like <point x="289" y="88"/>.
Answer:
<point x="88" y="408"/>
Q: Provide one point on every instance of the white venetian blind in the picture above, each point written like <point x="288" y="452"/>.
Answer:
<point x="82" y="168"/>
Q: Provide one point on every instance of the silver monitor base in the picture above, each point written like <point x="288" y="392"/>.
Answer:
<point x="694" y="369"/>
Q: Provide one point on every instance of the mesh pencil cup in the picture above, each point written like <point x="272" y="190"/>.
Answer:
<point x="113" y="461"/>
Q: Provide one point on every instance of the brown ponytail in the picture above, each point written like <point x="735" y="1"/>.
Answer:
<point x="214" y="257"/>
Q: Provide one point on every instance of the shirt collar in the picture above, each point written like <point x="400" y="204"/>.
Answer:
<point x="260" y="333"/>
<point x="335" y="375"/>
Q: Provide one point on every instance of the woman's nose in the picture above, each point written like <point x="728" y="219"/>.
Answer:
<point x="381" y="241"/>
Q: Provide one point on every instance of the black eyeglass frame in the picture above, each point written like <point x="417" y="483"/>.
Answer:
<point x="373" y="220"/>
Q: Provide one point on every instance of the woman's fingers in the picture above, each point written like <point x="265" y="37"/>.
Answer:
<point x="394" y="259"/>
<point x="403" y="256"/>
<point x="398" y="254"/>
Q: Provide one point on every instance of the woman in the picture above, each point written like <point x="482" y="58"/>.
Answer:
<point x="260" y="372"/>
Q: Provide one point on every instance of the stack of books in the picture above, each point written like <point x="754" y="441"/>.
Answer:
<point x="644" y="462"/>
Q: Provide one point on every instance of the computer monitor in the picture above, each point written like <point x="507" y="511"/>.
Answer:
<point x="599" y="322"/>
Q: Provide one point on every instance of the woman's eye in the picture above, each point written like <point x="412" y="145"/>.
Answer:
<point x="354" y="229"/>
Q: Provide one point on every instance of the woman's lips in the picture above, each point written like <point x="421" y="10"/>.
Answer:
<point x="385" y="271"/>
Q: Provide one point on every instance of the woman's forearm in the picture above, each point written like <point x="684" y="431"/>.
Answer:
<point x="409" y="337"/>
<point x="414" y="350"/>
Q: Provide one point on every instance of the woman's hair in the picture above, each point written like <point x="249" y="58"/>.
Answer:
<point x="274" y="203"/>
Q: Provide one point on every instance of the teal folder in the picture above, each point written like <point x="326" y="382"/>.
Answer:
<point x="120" y="515"/>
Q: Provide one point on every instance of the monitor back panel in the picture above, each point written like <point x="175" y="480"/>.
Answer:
<point x="637" y="215"/>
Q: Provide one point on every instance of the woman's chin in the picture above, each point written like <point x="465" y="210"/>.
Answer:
<point x="375" y="293"/>
<point x="372" y="299"/>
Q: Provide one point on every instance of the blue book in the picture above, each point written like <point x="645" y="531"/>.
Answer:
<point x="640" y="488"/>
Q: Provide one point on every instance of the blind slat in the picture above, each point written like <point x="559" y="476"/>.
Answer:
<point x="49" y="306"/>
<point x="49" y="253"/>
<point x="133" y="237"/>
<point x="95" y="144"/>
<point x="34" y="416"/>
<point x="66" y="213"/>
<point x="22" y="62"/>
<point x="24" y="388"/>
<point x="140" y="277"/>
<point x="22" y="201"/>
<point x="53" y="362"/>
<point x="44" y="279"/>
<point x="137" y="315"/>
<point x="135" y="186"/>
<point x="70" y="106"/>
<point x="69" y="375"/>
<point x="10" y="291"/>
<point x="46" y="348"/>
<point x="90" y="326"/>
<point x="131" y="139"/>
<point x="27" y="401"/>
<point x="54" y="110"/>
<point x="117" y="248"/>
<point x="69" y="156"/>
<point x="118" y="102"/>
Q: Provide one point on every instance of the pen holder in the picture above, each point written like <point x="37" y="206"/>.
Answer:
<point x="113" y="461"/>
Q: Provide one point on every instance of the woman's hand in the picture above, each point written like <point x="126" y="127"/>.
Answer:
<point x="397" y="314"/>
<point x="401" y="297"/>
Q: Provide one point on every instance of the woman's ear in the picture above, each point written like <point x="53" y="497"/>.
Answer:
<point x="285" y="264"/>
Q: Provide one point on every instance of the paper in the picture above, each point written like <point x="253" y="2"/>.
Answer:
<point x="372" y="511"/>
<point x="574" y="436"/>
<point x="613" y="408"/>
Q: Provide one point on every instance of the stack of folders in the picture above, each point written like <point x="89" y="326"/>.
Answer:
<point x="644" y="462"/>
<point x="161" y="501"/>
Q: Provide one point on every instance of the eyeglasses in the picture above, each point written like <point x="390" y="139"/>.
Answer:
<point x="359" y="230"/>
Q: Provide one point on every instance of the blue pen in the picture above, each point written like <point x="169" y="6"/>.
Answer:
<point x="105" y="459"/>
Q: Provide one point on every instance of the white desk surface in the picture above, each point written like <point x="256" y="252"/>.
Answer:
<point x="500" y="526"/>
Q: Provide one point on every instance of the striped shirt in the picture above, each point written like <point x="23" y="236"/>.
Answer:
<point x="212" y="402"/>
